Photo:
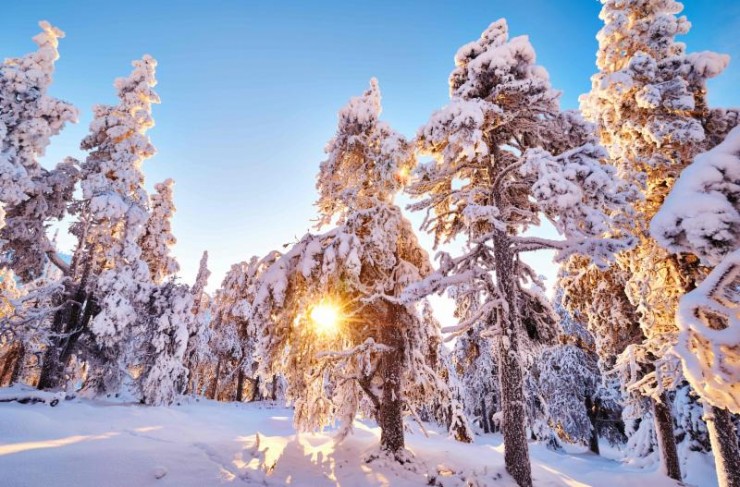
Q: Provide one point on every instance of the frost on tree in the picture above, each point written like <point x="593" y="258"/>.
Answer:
<point x="368" y="359"/>
<point x="474" y="361"/>
<point x="234" y="336"/>
<point x="163" y="344"/>
<point x="198" y="353"/>
<point x="701" y="216"/>
<point x="32" y="194"/>
<point x="649" y="104"/>
<point x="110" y="280"/>
<point x="505" y="157"/>
<point x="648" y="101"/>
<point x="158" y="240"/>
<point x="114" y="214"/>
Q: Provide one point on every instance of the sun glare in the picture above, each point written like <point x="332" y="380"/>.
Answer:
<point x="326" y="317"/>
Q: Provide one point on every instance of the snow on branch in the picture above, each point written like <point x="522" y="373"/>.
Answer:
<point x="709" y="335"/>
<point x="701" y="214"/>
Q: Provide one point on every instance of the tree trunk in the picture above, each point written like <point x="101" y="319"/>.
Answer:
<point x="70" y="322"/>
<point x="240" y="385"/>
<point x="256" y="395"/>
<point x="19" y="363"/>
<point x="12" y="365"/>
<point x="723" y="437"/>
<point x="390" y="414"/>
<point x="593" y="443"/>
<point x="516" y="449"/>
<point x="214" y="384"/>
<point x="666" y="437"/>
<point x="484" y="416"/>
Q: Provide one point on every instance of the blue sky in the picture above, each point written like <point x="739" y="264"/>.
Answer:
<point x="250" y="90"/>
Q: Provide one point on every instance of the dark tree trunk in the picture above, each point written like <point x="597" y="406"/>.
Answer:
<point x="390" y="413"/>
<point x="214" y="385"/>
<point x="666" y="437"/>
<point x="240" y="385"/>
<point x="593" y="443"/>
<point x="256" y="394"/>
<point x="516" y="449"/>
<point x="484" y="416"/>
<point x="20" y="359"/>
<point x="50" y="368"/>
<point x="69" y="323"/>
<point x="723" y="437"/>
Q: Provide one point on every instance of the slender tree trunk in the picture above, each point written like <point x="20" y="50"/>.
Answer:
<point x="593" y="443"/>
<point x="18" y="365"/>
<point x="214" y="384"/>
<point x="256" y="395"/>
<point x="723" y="437"/>
<point x="240" y="385"/>
<point x="48" y="377"/>
<point x="484" y="416"/>
<point x="666" y="437"/>
<point x="390" y="414"/>
<point x="516" y="449"/>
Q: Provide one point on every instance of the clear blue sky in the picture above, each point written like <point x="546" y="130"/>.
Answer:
<point x="250" y="90"/>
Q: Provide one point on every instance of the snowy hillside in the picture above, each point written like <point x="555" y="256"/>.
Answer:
<point x="93" y="443"/>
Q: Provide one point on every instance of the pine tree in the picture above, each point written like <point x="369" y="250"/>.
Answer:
<point x="474" y="360"/>
<point x="231" y="309"/>
<point x="158" y="239"/>
<point x="32" y="195"/>
<point x="505" y="157"/>
<point x="110" y="281"/>
<point x="356" y="272"/>
<point x="701" y="216"/>
<point x="649" y="103"/>
<point x="162" y="349"/>
<point x="198" y="352"/>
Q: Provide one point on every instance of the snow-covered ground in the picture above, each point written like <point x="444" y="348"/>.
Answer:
<point x="84" y="443"/>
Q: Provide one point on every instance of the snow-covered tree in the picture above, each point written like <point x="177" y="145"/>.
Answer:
<point x="29" y="117"/>
<point x="474" y="359"/>
<point x="162" y="348"/>
<point x="701" y="216"/>
<point x="505" y="158"/>
<point x="568" y="379"/>
<point x="329" y="308"/>
<point x="110" y="281"/>
<point x="198" y="352"/>
<point x="233" y="335"/>
<point x="648" y="101"/>
<point x="158" y="240"/>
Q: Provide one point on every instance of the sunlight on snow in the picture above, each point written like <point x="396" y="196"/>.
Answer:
<point x="11" y="448"/>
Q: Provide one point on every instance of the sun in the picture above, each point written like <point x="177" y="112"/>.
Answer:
<point x="326" y="317"/>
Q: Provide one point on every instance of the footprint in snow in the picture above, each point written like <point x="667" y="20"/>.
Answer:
<point x="159" y="472"/>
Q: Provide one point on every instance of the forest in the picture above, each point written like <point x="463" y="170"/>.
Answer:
<point x="637" y="347"/>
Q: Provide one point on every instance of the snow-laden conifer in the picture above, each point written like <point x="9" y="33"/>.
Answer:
<point x="648" y="101"/>
<point x="158" y="240"/>
<point x="358" y="269"/>
<point x="33" y="195"/>
<point x="506" y="157"/>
